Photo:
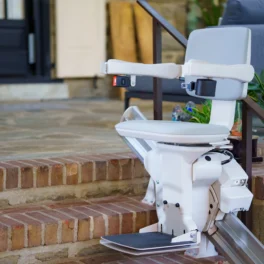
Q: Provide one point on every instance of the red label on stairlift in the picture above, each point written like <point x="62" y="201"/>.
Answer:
<point x="114" y="80"/>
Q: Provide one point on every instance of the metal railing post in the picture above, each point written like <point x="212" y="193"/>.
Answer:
<point x="158" y="23"/>
<point x="5" y="9"/>
<point x="246" y="217"/>
<point x="157" y="53"/>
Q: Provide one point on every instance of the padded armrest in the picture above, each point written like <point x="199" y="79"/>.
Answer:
<point x="240" y="72"/>
<point x="163" y="70"/>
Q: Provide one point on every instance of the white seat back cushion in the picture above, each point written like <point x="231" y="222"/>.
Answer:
<point x="229" y="46"/>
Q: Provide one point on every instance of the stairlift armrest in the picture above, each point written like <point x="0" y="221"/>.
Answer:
<point x="162" y="70"/>
<point x="240" y="72"/>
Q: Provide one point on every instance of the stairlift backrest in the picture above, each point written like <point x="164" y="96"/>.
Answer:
<point x="228" y="46"/>
<point x="220" y="52"/>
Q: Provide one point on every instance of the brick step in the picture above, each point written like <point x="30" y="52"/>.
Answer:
<point x="68" y="232"/>
<point x="112" y="257"/>
<point x="54" y="178"/>
<point x="69" y="226"/>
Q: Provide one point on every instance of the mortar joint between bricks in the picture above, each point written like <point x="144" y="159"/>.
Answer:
<point x="133" y="168"/>
<point x="79" y="164"/>
<point x="19" y="178"/>
<point x="94" y="171"/>
<point x="25" y="229"/>
<point x="42" y="227"/>
<point x="59" y="230"/>
<point x="105" y="217"/>
<point x="18" y="175"/>
<point x="43" y="234"/>
<point x="4" y="179"/>
<point x="120" y="170"/>
<point x="107" y="172"/>
<point x="34" y="177"/>
<point x="49" y="176"/>
<point x="106" y="220"/>
<point x="75" y="230"/>
<point x="134" y="221"/>
<point x="64" y="175"/>
<point x="34" y="169"/>
<point x="134" y="215"/>
<point x="9" y="238"/>
<point x="120" y="223"/>
<point x="91" y="227"/>
<point x="79" y="172"/>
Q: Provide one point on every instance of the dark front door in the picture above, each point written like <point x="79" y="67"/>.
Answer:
<point x="13" y="39"/>
<point x="24" y="41"/>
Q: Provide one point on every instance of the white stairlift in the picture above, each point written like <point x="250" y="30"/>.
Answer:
<point x="195" y="181"/>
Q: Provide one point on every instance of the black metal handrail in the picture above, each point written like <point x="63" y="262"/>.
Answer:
<point x="159" y="22"/>
<point x="253" y="106"/>
<point x="164" y="23"/>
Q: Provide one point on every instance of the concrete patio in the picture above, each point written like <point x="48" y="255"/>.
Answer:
<point x="58" y="128"/>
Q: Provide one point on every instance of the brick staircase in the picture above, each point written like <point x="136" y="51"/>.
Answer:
<point x="55" y="210"/>
<point x="70" y="177"/>
<point x="65" y="226"/>
<point x="60" y="207"/>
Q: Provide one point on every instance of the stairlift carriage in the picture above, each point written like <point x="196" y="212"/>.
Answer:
<point x="195" y="182"/>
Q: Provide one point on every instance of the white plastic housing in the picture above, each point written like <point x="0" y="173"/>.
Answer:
<point x="235" y="199"/>
<point x="231" y="189"/>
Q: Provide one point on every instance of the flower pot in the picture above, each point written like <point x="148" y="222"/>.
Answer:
<point x="237" y="146"/>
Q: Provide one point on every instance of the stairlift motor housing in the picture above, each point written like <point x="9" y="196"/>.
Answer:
<point x="193" y="183"/>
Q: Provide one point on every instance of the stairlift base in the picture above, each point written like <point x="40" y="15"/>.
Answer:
<point x="193" y="169"/>
<point x="206" y="249"/>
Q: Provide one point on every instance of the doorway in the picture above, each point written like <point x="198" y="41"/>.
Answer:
<point x="24" y="41"/>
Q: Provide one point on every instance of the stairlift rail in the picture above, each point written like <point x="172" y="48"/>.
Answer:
<point x="234" y="241"/>
<point x="240" y="72"/>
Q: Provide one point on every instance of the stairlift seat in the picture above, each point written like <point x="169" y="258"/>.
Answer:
<point x="173" y="132"/>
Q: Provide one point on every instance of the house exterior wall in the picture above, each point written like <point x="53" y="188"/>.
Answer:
<point x="175" y="11"/>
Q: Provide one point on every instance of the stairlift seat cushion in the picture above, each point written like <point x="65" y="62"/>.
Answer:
<point x="173" y="132"/>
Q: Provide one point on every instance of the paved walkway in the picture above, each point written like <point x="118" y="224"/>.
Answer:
<point x="58" y="128"/>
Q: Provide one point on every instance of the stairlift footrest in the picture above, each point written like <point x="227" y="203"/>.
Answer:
<point x="133" y="252"/>
<point x="147" y="241"/>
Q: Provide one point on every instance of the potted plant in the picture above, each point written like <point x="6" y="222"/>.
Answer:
<point x="236" y="135"/>
<point x="202" y="115"/>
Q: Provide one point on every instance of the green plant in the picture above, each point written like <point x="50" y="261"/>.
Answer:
<point x="256" y="89"/>
<point x="201" y="115"/>
<point x="211" y="10"/>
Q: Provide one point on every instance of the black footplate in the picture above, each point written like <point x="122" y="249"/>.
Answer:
<point x="145" y="241"/>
